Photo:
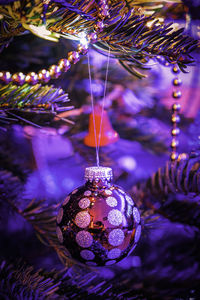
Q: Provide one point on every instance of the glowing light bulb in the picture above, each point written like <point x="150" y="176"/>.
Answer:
<point x="83" y="40"/>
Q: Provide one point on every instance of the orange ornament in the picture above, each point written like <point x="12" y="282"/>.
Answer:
<point x="108" y="134"/>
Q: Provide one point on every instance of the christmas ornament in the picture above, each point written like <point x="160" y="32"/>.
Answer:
<point x="107" y="134"/>
<point x="98" y="222"/>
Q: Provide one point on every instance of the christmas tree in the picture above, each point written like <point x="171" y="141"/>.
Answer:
<point x="56" y="57"/>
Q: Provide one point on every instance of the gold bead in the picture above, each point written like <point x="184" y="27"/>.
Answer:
<point x="175" y="118"/>
<point x="103" y="11"/>
<point x="176" y="94"/>
<point x="174" y="143"/>
<point x="73" y="57"/>
<point x="18" y="78"/>
<point x="177" y="81"/>
<point x="31" y="78"/>
<point x="64" y="64"/>
<point x="175" y="131"/>
<point x="54" y="71"/>
<point x="175" y="70"/>
<point x="99" y="26"/>
<point x="174" y="155"/>
<point x="176" y="107"/>
<point x="5" y="77"/>
<point x="44" y="76"/>
<point x="82" y="49"/>
<point x="92" y="37"/>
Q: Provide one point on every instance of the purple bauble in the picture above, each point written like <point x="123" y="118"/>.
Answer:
<point x="98" y="222"/>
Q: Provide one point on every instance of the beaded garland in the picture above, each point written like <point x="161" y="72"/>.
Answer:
<point x="176" y="94"/>
<point x="64" y="64"/>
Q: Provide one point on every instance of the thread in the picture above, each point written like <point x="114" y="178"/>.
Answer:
<point x="97" y="142"/>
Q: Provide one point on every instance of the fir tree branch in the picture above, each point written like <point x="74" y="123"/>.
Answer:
<point x="22" y="282"/>
<point x="131" y="36"/>
<point x="173" y="191"/>
<point x="179" y="176"/>
<point x="33" y="98"/>
<point x="40" y="215"/>
<point x="28" y="100"/>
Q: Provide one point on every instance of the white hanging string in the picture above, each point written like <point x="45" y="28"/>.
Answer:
<point x="97" y="143"/>
<point x="104" y="97"/>
<point x="92" y="103"/>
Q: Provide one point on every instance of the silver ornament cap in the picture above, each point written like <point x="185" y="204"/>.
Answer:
<point x="98" y="173"/>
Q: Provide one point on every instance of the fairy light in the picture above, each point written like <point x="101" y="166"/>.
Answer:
<point x="83" y="38"/>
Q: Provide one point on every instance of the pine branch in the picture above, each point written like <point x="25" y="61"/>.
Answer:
<point x="13" y="163"/>
<point x="40" y="215"/>
<point x="133" y="40"/>
<point x="10" y="187"/>
<point x="33" y="98"/>
<point x="25" y="101"/>
<point x="179" y="176"/>
<point x="173" y="191"/>
<point x="22" y="282"/>
<point x="132" y="37"/>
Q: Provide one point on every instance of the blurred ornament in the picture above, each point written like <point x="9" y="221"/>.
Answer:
<point x="103" y="128"/>
<point x="98" y="222"/>
<point x="127" y="163"/>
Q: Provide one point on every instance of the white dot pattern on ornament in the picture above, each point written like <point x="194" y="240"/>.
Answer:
<point x="137" y="233"/>
<point x="121" y="191"/>
<point x="91" y="263"/>
<point x="84" y="203"/>
<point x="84" y="239"/>
<point x="115" y="217"/>
<point x="74" y="192"/>
<point x="59" y="234"/>
<point x="87" y="193"/>
<point x="110" y="262"/>
<point x="111" y="201"/>
<point x="87" y="255"/>
<point x="82" y="219"/>
<point x="136" y="215"/>
<point x="116" y="237"/>
<point x="114" y="253"/>
<point x="129" y="200"/>
<point x="108" y="192"/>
<point x="66" y="200"/>
<point x="60" y="215"/>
